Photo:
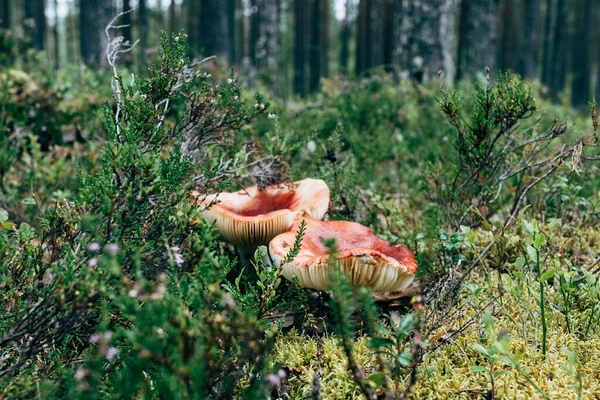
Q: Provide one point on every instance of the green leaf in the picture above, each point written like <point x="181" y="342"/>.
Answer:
<point x="479" y="368"/>
<point x="480" y="349"/>
<point x="239" y="278"/>
<point x="377" y="342"/>
<point x="377" y="379"/>
<point x="3" y="215"/>
<point x="547" y="275"/>
<point x="8" y="226"/>
<point x="29" y="201"/>
<point x="532" y="253"/>
<point x="404" y="359"/>
<point x="519" y="262"/>
<point x="406" y="323"/>
<point x="539" y="241"/>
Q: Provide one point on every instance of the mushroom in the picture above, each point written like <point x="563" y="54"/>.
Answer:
<point x="252" y="217"/>
<point x="366" y="259"/>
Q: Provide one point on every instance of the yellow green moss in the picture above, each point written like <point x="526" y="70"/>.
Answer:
<point x="447" y="372"/>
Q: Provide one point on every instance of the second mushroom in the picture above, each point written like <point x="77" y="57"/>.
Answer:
<point x="366" y="259"/>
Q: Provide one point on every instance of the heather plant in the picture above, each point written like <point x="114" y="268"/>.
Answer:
<point x="128" y="245"/>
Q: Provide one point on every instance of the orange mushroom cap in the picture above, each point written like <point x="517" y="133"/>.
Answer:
<point x="252" y="217"/>
<point x="366" y="259"/>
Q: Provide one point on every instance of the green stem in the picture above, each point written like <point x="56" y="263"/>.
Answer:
<point x="542" y="307"/>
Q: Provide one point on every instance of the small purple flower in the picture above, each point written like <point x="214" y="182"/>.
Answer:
<point x="93" y="262"/>
<point x="101" y="336"/>
<point x="230" y="81"/>
<point x="112" y="248"/>
<point x="273" y="380"/>
<point x="179" y="260"/>
<point x="95" y="337"/>
<point x="111" y="353"/>
<point x="271" y="116"/>
<point x="48" y="277"/>
<point x="276" y="379"/>
<point x="93" y="247"/>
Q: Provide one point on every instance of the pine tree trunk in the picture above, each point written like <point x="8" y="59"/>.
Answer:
<point x="325" y="32"/>
<point x="231" y="11"/>
<point x="269" y="41"/>
<point x="254" y="32"/>
<point x="34" y="11"/>
<point x="560" y="40"/>
<point x="427" y="39"/>
<point x="314" y="46"/>
<point x="509" y="43"/>
<point x="127" y="21"/>
<point x="345" y="33"/>
<point x="93" y="19"/>
<point x="580" y="89"/>
<point x="54" y="31"/>
<point x="299" y="47"/>
<point x="127" y="30"/>
<point x="192" y="14"/>
<point x="172" y="26"/>
<point x="529" y="54"/>
<point x="240" y="38"/>
<point x="478" y="41"/>
<point x="142" y="23"/>
<point x="388" y="33"/>
<point x="5" y="14"/>
<point x="548" y="47"/>
<point x="363" y="40"/>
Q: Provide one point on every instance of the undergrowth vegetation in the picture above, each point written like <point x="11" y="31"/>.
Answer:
<point x="113" y="286"/>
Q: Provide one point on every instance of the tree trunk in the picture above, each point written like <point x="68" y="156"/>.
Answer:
<point x="127" y="31"/>
<point x="345" y="33"/>
<point x="34" y="11"/>
<point x="254" y="31"/>
<point x="127" y="21"/>
<point x="560" y="40"/>
<point x="325" y="32"/>
<point x="172" y="26"/>
<point x="580" y="89"/>
<point x="231" y="31"/>
<point x="509" y="43"/>
<point x="388" y="33"/>
<point x="5" y="14"/>
<point x="427" y="39"/>
<point x="214" y="36"/>
<point x="299" y="47"/>
<point x="54" y="32"/>
<point x="93" y="19"/>
<point x="364" y="45"/>
<point x="548" y="47"/>
<point x="530" y="41"/>
<point x="240" y="38"/>
<point x="192" y="10"/>
<point x="160" y="18"/>
<point x="314" y="46"/>
<point x="269" y="42"/>
<point x="478" y="41"/>
<point x="142" y="23"/>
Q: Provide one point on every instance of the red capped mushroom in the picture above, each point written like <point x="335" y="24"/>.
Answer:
<point x="252" y="217"/>
<point x="366" y="259"/>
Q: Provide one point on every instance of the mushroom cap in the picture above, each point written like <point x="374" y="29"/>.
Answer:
<point x="366" y="259"/>
<point x="252" y="217"/>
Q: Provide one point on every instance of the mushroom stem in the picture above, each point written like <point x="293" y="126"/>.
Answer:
<point x="244" y="256"/>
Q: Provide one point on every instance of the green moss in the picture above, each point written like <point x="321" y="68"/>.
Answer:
<point x="447" y="372"/>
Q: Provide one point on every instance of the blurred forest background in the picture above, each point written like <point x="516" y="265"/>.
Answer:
<point x="290" y="45"/>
